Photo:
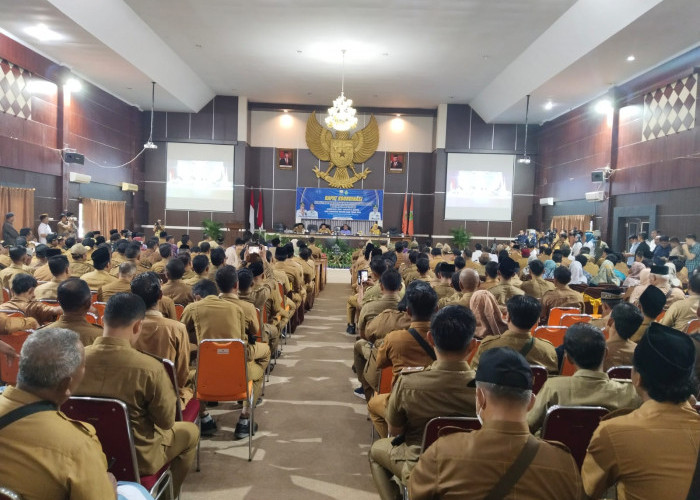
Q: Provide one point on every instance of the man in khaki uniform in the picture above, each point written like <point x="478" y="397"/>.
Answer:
<point x="43" y="273"/>
<point x="507" y="269"/>
<point x="165" y="251"/>
<point x="132" y="254"/>
<point x="217" y="257"/>
<point x="127" y="271"/>
<point x="402" y="349"/>
<point x="39" y="258"/>
<point x="52" y="456"/>
<point x="410" y="265"/>
<point x="562" y="295"/>
<point x="491" y="273"/>
<point x="422" y="272"/>
<point x="608" y="300"/>
<point x="163" y="337"/>
<point x="309" y="271"/>
<point x="471" y="464"/>
<point x="75" y="299"/>
<point x="316" y="252"/>
<point x="227" y="281"/>
<point x="175" y="288"/>
<point x="270" y="333"/>
<point x="438" y="390"/>
<point x="536" y="286"/>
<point x="651" y="302"/>
<point x="115" y="369"/>
<point x="468" y="283"/>
<point x="651" y="452"/>
<point x="118" y="256"/>
<point x="584" y="346"/>
<point x="23" y="286"/>
<point x="625" y="319"/>
<point x="79" y="266"/>
<point x="523" y="314"/>
<point x="60" y="271"/>
<point x="443" y="287"/>
<point x="265" y="294"/>
<point x="683" y="311"/>
<point x="17" y="255"/>
<point x="200" y="266"/>
<point x="294" y="274"/>
<point x="100" y="276"/>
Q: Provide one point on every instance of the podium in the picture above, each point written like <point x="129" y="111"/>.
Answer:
<point x="233" y="231"/>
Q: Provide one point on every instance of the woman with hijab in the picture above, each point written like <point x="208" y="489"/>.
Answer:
<point x="637" y="291"/>
<point x="606" y="274"/>
<point x="489" y="320"/>
<point x="549" y="267"/>
<point x="577" y="276"/>
<point x="633" y="277"/>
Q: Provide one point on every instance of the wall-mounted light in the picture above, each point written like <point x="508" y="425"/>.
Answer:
<point x="397" y="124"/>
<point x="548" y="105"/>
<point x="74" y="85"/>
<point x="286" y="120"/>
<point x="603" y="107"/>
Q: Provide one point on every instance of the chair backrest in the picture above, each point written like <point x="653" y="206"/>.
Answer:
<point x="179" y="308"/>
<point x="170" y="370"/>
<point x="554" y="334"/>
<point x="693" y="326"/>
<point x="442" y="426"/>
<point x="539" y="377"/>
<point x="221" y="370"/>
<point x="110" y="418"/>
<point x="6" y="295"/>
<point x="93" y="296"/>
<point x="623" y="372"/>
<point x="555" y="314"/>
<point x="386" y="376"/>
<point x="8" y="373"/>
<point x="100" y="308"/>
<point x="92" y="318"/>
<point x="281" y="290"/>
<point x="6" y="494"/>
<point x="573" y="426"/>
<point x="51" y="302"/>
<point x="473" y="347"/>
<point x="259" y="334"/>
<point x="567" y="367"/>
<point x="13" y="313"/>
<point x="571" y="319"/>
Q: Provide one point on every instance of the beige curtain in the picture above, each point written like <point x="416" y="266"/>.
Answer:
<point x="21" y="202"/>
<point x="103" y="215"/>
<point x="569" y="222"/>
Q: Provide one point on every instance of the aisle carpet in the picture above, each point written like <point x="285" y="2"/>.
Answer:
<point x="314" y="435"/>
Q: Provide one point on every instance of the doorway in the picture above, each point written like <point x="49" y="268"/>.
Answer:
<point x="632" y="227"/>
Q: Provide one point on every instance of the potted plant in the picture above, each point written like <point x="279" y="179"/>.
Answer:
<point x="212" y="229"/>
<point x="460" y="237"/>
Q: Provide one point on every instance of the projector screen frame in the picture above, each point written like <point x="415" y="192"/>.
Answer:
<point x="509" y="170"/>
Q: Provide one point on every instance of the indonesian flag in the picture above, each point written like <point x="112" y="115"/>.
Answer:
<point x="251" y="215"/>
<point x="410" y="218"/>
<point x="260" y="210"/>
<point x="404" y="216"/>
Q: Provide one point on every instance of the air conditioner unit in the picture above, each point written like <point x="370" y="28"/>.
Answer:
<point x="126" y="186"/>
<point x="79" y="178"/>
<point x="547" y="201"/>
<point x="595" y="196"/>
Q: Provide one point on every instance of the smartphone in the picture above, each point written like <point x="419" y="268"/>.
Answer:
<point x="252" y="250"/>
<point x="362" y="276"/>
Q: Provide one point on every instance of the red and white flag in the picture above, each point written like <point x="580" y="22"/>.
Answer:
<point x="260" y="219"/>
<point x="251" y="215"/>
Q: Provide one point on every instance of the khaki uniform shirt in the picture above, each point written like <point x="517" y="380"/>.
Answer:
<point x="371" y="310"/>
<point x="97" y="279"/>
<point x="140" y="267"/>
<point x="681" y="312"/>
<point x="47" y="455"/>
<point x="212" y="271"/>
<point x="401" y="350"/>
<point x="504" y="291"/>
<point x="489" y="284"/>
<point x="620" y="353"/>
<point x="77" y="269"/>
<point x="316" y="252"/>
<point x="372" y="293"/>
<point x="159" y="266"/>
<point x="385" y="322"/>
<point x="541" y="353"/>
<point x="214" y="318"/>
<point x="10" y="325"/>
<point x="118" y="286"/>
<point x="405" y="269"/>
<point x="469" y="464"/>
<point x="536" y="287"/>
<point x="640" y="331"/>
<point x="47" y="291"/>
<point x="7" y="274"/>
<point x="77" y="322"/>
<point x="41" y="312"/>
<point x="443" y="290"/>
<point x="281" y="277"/>
<point x="584" y="388"/>
<point x="179" y="291"/>
<point x="115" y="369"/>
<point x="194" y="278"/>
<point x="167" y="338"/>
<point x="5" y="261"/>
<point x="43" y="273"/>
<point x="561" y="297"/>
<point x="252" y="325"/>
<point x="294" y="274"/>
<point x="649" y="453"/>
<point x="591" y="268"/>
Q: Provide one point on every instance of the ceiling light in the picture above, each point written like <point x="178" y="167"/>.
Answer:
<point x="548" y="105"/>
<point x="286" y="120"/>
<point x="42" y="33"/>
<point x="603" y="107"/>
<point x="149" y="144"/>
<point x="74" y="85"/>
<point x="525" y="160"/>
<point x="397" y="125"/>
<point x="341" y="116"/>
<point x="630" y="58"/>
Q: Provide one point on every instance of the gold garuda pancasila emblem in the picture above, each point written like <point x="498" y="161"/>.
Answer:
<point x="342" y="151"/>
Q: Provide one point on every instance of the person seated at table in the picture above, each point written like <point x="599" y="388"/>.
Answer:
<point x="345" y="230"/>
<point x="299" y="228"/>
<point x="375" y="230"/>
<point x="324" y="229"/>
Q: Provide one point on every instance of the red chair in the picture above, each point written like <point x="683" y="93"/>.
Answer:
<point x="100" y="308"/>
<point x="473" y="347"/>
<point x="571" y="319"/>
<point x="191" y="411"/>
<point x="13" y="313"/>
<point x="222" y="375"/>
<point x="92" y="318"/>
<point x="556" y="313"/>
<point x="567" y="367"/>
<point x="573" y="426"/>
<point x="539" y="377"/>
<point x="93" y="296"/>
<point x="8" y="373"/>
<point x="386" y="379"/>
<point x="443" y="426"/>
<point x="554" y="334"/>
<point x="6" y="295"/>
<point x="110" y="418"/>
<point x="621" y="372"/>
<point x="179" y="308"/>
<point x="693" y="326"/>
<point x="6" y="494"/>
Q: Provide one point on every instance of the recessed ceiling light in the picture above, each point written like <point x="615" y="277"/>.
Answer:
<point x="43" y="33"/>
<point x="548" y="105"/>
<point x="198" y="45"/>
<point x="298" y="51"/>
<point x="630" y="58"/>
<point x="485" y="57"/>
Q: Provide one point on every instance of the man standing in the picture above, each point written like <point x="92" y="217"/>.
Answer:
<point x="473" y="464"/>
<point x="440" y="389"/>
<point x="9" y="233"/>
<point x="44" y="229"/>
<point x="691" y="250"/>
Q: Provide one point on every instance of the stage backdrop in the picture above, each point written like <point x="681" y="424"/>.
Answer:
<point x="339" y="204"/>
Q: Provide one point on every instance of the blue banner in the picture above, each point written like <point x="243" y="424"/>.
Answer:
<point x="339" y="204"/>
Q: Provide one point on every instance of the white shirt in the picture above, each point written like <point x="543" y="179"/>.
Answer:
<point x="475" y="255"/>
<point x="652" y="245"/>
<point x="44" y="229"/>
<point x="576" y="248"/>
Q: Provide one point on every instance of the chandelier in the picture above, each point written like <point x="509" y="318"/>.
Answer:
<point x="341" y="116"/>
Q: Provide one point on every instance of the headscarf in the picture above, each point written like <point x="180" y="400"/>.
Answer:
<point x="633" y="277"/>
<point x="489" y="320"/>
<point x="606" y="274"/>
<point x="672" y="277"/>
<point x="549" y="267"/>
<point x="643" y="284"/>
<point x="577" y="276"/>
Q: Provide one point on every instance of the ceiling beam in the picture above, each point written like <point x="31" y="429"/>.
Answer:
<point x="586" y="25"/>
<point x="116" y="25"/>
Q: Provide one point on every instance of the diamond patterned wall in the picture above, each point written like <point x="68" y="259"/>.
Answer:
<point x="670" y="109"/>
<point x="15" y="95"/>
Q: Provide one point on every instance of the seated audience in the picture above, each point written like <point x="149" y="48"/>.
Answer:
<point x="17" y="255"/>
<point x="468" y="283"/>
<point x="75" y="300"/>
<point x="562" y="295"/>
<point x="200" y="266"/>
<point x="101" y="261"/>
<point x="59" y="268"/>
<point x="606" y="273"/>
<point x="585" y="348"/>
<point x="438" y="390"/>
<point x="683" y="311"/>
<point x="363" y="296"/>
<point x="390" y="286"/>
<point x="115" y="369"/>
<point x="443" y="285"/>
<point x="651" y="303"/>
<point x="23" y="286"/>
<point x="633" y="276"/>
<point x="507" y="270"/>
<point x="536" y="286"/>
<point x="625" y="320"/>
<point x="126" y="272"/>
<point x="491" y="270"/>
<point x="489" y="319"/>
<point x="609" y="298"/>
<point x="217" y="257"/>
<point x="653" y="451"/>
<point x="577" y="275"/>
<point x="79" y="264"/>
<point x="165" y="251"/>
<point x="471" y="464"/>
<point x="523" y="313"/>
<point x="175" y="288"/>
<point x="422" y="271"/>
